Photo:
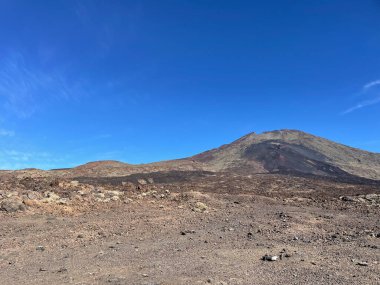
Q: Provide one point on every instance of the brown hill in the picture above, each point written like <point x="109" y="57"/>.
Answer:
<point x="116" y="168"/>
<point x="291" y="151"/>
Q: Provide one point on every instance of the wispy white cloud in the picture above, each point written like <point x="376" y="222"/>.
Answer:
<point x="11" y="159"/>
<point x="362" y="105"/>
<point x="370" y="95"/>
<point x="371" y="84"/>
<point x="6" y="133"/>
<point x="24" y="88"/>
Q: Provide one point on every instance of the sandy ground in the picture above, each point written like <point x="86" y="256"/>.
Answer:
<point x="320" y="238"/>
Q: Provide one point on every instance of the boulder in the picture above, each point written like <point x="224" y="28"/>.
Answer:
<point x="12" y="204"/>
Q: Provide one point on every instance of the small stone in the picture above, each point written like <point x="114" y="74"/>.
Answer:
<point x="114" y="193"/>
<point x="63" y="201"/>
<point x="51" y="197"/>
<point x="40" y="248"/>
<point x="128" y="200"/>
<point x="270" y="257"/>
<point x="200" y="207"/>
<point x="362" y="263"/>
<point x="115" y="198"/>
<point x="99" y="195"/>
<point x="74" y="183"/>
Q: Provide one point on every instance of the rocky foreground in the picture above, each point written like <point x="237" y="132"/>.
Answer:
<point x="188" y="228"/>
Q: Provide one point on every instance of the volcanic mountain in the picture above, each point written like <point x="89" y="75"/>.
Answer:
<point x="284" y="151"/>
<point x="291" y="152"/>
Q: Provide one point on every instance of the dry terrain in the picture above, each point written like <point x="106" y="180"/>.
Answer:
<point x="282" y="207"/>
<point x="189" y="228"/>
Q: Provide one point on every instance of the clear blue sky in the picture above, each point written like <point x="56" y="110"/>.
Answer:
<point x="141" y="81"/>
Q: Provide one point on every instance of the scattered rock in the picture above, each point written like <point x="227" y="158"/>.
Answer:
<point x="200" y="207"/>
<point x="12" y="204"/>
<point x="40" y="248"/>
<point x="63" y="201"/>
<point x="34" y="195"/>
<point x="114" y="193"/>
<point x="368" y="198"/>
<point x="11" y="194"/>
<point x="115" y="198"/>
<point x="187" y="232"/>
<point x="270" y="257"/>
<point x="360" y="263"/>
<point x="62" y="270"/>
<point x="74" y="183"/>
<point x="50" y="197"/>
<point x="99" y="195"/>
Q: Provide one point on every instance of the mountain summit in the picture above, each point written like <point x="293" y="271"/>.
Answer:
<point x="291" y="152"/>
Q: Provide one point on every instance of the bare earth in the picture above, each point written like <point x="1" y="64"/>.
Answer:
<point x="189" y="228"/>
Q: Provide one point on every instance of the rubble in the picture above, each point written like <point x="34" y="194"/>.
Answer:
<point x="368" y="198"/>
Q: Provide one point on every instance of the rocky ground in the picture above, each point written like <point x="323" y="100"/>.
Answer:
<point x="188" y="228"/>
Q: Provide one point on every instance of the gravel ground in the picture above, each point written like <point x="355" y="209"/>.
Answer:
<point x="212" y="229"/>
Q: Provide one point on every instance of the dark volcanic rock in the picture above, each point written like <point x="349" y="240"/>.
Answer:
<point x="281" y="157"/>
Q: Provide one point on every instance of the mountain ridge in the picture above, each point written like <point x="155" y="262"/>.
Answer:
<point x="283" y="151"/>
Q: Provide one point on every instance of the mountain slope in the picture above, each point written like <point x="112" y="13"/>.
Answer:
<point x="291" y="151"/>
<point x="284" y="151"/>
